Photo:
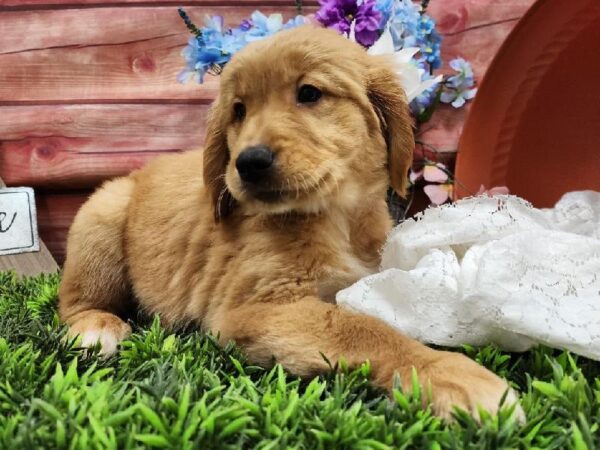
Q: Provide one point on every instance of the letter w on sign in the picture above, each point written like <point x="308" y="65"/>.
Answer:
<point x="18" y="223"/>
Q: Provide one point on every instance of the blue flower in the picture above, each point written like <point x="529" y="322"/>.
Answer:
<point x="386" y="8"/>
<point x="215" y="45"/>
<point x="431" y="50"/>
<point x="423" y="101"/>
<point x="212" y="32"/>
<point x="190" y="53"/>
<point x="213" y="25"/>
<point x="426" y="25"/>
<point x="263" y="26"/>
<point x="426" y="99"/>
<point x="295" y="22"/>
<point x="459" y="88"/>
<point x="410" y="28"/>
<point x="213" y="48"/>
<point x="207" y="58"/>
<point x="464" y="74"/>
<point x="406" y="12"/>
<point x="260" y="26"/>
<point x="232" y="42"/>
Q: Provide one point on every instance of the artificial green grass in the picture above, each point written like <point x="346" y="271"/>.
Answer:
<point x="182" y="391"/>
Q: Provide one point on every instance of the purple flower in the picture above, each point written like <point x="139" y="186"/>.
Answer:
<point x="368" y="19"/>
<point x="339" y="15"/>
<point x="246" y="25"/>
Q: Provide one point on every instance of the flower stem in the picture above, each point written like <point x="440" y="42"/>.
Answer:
<point x="299" y="9"/>
<point x="189" y="24"/>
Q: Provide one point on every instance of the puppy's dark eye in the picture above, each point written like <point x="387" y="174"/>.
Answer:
<point x="239" y="111"/>
<point x="308" y="94"/>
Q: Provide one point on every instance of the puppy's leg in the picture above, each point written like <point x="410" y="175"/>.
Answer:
<point x="94" y="288"/>
<point x="295" y="334"/>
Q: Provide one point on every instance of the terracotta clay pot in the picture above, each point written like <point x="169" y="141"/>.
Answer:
<point x="535" y="123"/>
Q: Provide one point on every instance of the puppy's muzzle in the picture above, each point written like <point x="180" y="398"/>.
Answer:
<point x="255" y="164"/>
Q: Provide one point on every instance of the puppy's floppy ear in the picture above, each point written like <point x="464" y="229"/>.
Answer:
<point x="216" y="158"/>
<point x="389" y="101"/>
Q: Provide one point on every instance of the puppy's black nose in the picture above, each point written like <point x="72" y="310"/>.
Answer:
<point x="253" y="164"/>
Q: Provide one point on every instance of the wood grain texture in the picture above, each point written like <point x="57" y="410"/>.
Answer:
<point x="61" y="168"/>
<point x="88" y="89"/>
<point x="102" y="54"/>
<point x="123" y="126"/>
<point x="55" y="214"/>
<point x="79" y="146"/>
<point x="118" y="54"/>
<point x="31" y="4"/>
<point x="474" y="30"/>
<point x="32" y="263"/>
<point x="64" y="29"/>
<point x="117" y="73"/>
<point x="460" y="16"/>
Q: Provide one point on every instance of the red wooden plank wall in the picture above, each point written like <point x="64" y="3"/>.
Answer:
<point x="88" y="88"/>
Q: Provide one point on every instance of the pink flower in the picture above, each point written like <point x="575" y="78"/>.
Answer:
<point x="439" y="193"/>
<point x="441" y="187"/>
<point x="435" y="173"/>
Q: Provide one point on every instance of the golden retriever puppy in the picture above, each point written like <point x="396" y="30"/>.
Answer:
<point x="252" y="237"/>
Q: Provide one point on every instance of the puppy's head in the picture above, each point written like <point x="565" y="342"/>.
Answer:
<point x="306" y="119"/>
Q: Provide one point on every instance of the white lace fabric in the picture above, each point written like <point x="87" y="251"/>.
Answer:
<point x="492" y="270"/>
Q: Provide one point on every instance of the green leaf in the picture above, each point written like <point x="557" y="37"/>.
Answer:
<point x="547" y="389"/>
<point x="169" y="343"/>
<point x="152" y="418"/>
<point x="120" y="417"/>
<point x="416" y="385"/>
<point x="372" y="444"/>
<point x="234" y="426"/>
<point x="578" y="442"/>
<point x="202" y="395"/>
<point x="153" y="440"/>
<point x="47" y="409"/>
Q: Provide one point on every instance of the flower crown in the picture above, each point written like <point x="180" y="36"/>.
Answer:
<point x="400" y="28"/>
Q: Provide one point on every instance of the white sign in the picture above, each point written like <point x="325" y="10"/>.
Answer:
<point x="18" y="221"/>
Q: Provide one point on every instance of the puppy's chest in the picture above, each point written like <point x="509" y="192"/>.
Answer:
<point x="344" y="273"/>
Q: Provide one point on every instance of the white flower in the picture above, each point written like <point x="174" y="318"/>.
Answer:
<point x="410" y="75"/>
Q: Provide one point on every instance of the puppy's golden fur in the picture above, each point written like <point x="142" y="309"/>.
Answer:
<point x="193" y="243"/>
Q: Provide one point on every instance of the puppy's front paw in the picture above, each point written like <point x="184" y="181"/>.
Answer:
<point x="101" y="328"/>
<point x="456" y="380"/>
